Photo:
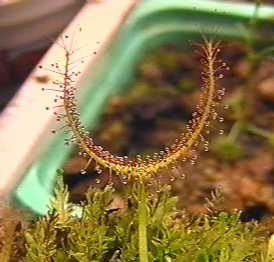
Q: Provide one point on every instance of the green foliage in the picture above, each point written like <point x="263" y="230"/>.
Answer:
<point x="41" y="240"/>
<point x="46" y="239"/>
<point x="92" y="236"/>
<point x="107" y="233"/>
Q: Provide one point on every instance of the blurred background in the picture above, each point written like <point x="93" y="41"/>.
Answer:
<point x="27" y="29"/>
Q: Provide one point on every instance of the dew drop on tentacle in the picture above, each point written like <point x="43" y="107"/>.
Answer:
<point x="221" y="119"/>
<point x="182" y="176"/>
<point x="124" y="179"/>
<point x="221" y="93"/>
<point x="97" y="181"/>
<point x="83" y="171"/>
<point x="98" y="169"/>
<point x="172" y="178"/>
<point x="192" y="162"/>
<point x="214" y="115"/>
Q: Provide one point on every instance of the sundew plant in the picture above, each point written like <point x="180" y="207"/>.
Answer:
<point x="148" y="226"/>
<point x="142" y="168"/>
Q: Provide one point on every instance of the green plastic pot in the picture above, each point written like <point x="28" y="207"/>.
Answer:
<point x="152" y="24"/>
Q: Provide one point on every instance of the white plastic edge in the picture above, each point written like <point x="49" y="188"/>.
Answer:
<point x="25" y="123"/>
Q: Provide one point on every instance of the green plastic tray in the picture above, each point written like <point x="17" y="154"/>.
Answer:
<point x="152" y="24"/>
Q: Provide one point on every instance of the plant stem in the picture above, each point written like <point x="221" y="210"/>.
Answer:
<point x="235" y="130"/>
<point x="142" y="223"/>
<point x="258" y="131"/>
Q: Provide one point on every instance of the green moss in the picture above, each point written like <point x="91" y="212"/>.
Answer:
<point x="104" y="233"/>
